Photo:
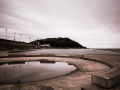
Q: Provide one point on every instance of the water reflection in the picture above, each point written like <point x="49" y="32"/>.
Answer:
<point x="47" y="62"/>
<point x="2" y="63"/>
<point x="16" y="62"/>
<point x="5" y="68"/>
<point x="33" y="70"/>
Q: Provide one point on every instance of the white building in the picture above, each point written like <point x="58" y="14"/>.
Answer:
<point x="45" y="45"/>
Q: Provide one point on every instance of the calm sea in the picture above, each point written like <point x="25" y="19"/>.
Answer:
<point x="69" y="51"/>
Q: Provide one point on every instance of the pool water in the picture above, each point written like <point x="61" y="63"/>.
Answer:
<point x="26" y="71"/>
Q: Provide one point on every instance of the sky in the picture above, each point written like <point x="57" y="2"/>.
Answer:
<point x="92" y="23"/>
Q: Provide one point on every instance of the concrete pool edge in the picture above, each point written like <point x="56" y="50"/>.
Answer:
<point x="108" y="80"/>
<point x="109" y="64"/>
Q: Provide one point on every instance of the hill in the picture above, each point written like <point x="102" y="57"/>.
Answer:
<point x="58" y="43"/>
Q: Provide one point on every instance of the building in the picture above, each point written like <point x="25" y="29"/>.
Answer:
<point x="45" y="45"/>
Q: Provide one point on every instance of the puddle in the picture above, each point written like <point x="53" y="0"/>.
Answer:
<point x="26" y="71"/>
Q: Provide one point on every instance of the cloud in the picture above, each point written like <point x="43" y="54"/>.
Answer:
<point x="86" y="21"/>
<point x="107" y="13"/>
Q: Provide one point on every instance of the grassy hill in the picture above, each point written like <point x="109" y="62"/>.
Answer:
<point x="59" y="43"/>
<point x="12" y="45"/>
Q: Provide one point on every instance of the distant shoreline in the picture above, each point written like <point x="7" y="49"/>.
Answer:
<point x="112" y="50"/>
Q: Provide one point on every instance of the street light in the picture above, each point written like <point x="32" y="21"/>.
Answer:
<point x="14" y="36"/>
<point x="20" y="37"/>
<point x="29" y="39"/>
<point x="6" y="33"/>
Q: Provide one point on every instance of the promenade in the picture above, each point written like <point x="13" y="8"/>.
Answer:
<point x="73" y="81"/>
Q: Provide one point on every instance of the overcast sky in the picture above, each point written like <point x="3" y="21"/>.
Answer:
<point x="92" y="23"/>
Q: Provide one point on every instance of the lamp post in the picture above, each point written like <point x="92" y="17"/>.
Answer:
<point x="14" y="36"/>
<point x="36" y="43"/>
<point x="6" y="33"/>
<point x="20" y="37"/>
<point x="29" y="39"/>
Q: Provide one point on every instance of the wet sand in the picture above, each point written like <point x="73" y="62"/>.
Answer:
<point x="112" y="50"/>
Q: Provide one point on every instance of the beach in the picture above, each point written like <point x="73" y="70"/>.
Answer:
<point x="72" y="81"/>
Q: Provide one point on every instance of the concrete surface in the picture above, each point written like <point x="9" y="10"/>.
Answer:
<point x="112" y="77"/>
<point x="73" y="81"/>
